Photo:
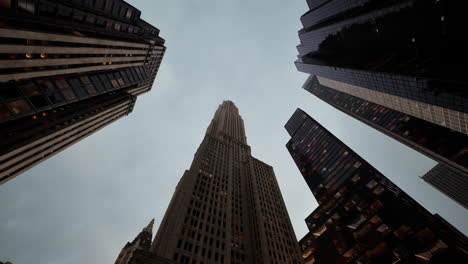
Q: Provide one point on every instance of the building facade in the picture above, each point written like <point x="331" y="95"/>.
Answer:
<point x="448" y="147"/>
<point x="452" y="183"/>
<point x="227" y="208"/>
<point x="68" y="68"/>
<point x="394" y="65"/>
<point x="362" y="216"/>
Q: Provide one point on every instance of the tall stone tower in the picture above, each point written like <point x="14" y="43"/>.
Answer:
<point x="227" y="208"/>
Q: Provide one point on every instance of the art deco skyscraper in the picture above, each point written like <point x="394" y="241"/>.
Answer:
<point x="362" y="216"/>
<point x="395" y="65"/>
<point x="227" y="208"/>
<point x="68" y="69"/>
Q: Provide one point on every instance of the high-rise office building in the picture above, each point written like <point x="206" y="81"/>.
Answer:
<point x="448" y="147"/>
<point x="67" y="69"/>
<point x="394" y="65"/>
<point x="227" y="208"/>
<point x="362" y="216"/>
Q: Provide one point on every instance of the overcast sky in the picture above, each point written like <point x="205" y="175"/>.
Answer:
<point x="84" y="204"/>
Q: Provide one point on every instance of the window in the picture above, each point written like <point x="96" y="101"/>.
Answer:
<point x="78" y="15"/>
<point x="64" y="11"/>
<point x="50" y="91"/>
<point x="20" y="107"/>
<point x="100" y="4"/>
<point x="66" y="90"/>
<point x="30" y="89"/>
<point x="5" y="3"/>
<point x="4" y="113"/>
<point x="78" y="88"/>
<point x="9" y="92"/>
<point x="105" y="80"/>
<point x="114" y="81"/>
<point x="90" y="19"/>
<point x="27" y="5"/>
<point x="129" y="13"/>
<point x="88" y="85"/>
<point x="38" y="101"/>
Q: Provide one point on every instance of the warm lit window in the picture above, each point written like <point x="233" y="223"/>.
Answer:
<point x="19" y="107"/>
<point x="5" y="3"/>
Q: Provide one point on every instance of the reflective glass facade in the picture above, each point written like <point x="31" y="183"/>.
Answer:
<point x="362" y="216"/>
<point x="450" y="182"/>
<point x="410" y="49"/>
<point x="448" y="147"/>
<point x="64" y="58"/>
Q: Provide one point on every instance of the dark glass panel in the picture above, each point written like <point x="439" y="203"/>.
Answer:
<point x="4" y="112"/>
<point x="66" y="90"/>
<point x="53" y="94"/>
<point x="105" y="80"/>
<point x="78" y="15"/>
<point x="30" y="89"/>
<point x="9" y="92"/>
<point x="88" y="85"/>
<point x="125" y="77"/>
<point x="64" y="11"/>
<point x="38" y="101"/>
<point x="78" y="88"/>
<point x="97" y="84"/>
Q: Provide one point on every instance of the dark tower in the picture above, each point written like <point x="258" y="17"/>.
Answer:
<point x="396" y="66"/>
<point x="362" y="216"/>
<point x="227" y="208"/>
<point x="67" y="69"/>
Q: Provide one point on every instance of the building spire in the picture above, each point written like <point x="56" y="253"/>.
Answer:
<point x="149" y="227"/>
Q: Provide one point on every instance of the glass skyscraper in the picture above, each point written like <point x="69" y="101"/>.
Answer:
<point x="396" y="66"/>
<point x="362" y="216"/>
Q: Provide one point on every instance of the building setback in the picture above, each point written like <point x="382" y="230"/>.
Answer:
<point x="394" y="65"/>
<point x="67" y="69"/>
<point x="227" y="208"/>
<point x="362" y="216"/>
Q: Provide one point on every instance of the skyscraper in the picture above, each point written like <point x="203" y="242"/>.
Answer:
<point x="227" y="208"/>
<point x="67" y="69"/>
<point x="394" y="65"/>
<point x="448" y="147"/>
<point x="362" y="216"/>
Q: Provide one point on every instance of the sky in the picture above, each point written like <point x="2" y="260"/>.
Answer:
<point x="84" y="204"/>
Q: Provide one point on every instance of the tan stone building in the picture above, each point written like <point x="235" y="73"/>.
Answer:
<point x="227" y="208"/>
<point x="68" y="69"/>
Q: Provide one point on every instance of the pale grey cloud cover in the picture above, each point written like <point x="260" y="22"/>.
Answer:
<point x="84" y="204"/>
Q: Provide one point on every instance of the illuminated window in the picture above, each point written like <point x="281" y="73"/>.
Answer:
<point x="371" y="184"/>
<point x="5" y="3"/>
<point x="20" y="107"/>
